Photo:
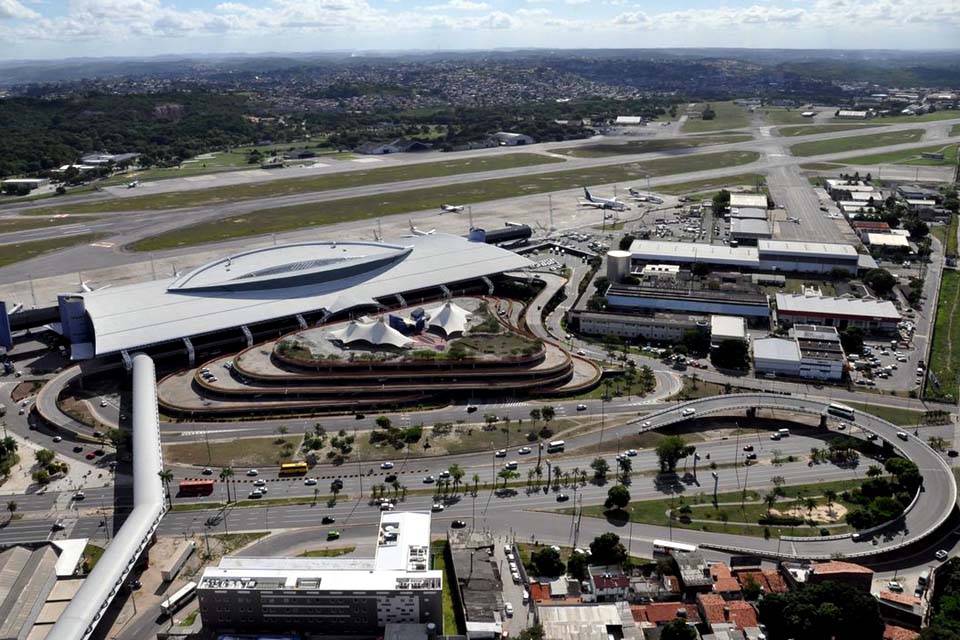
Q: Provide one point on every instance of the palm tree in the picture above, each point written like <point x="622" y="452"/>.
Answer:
<point x="831" y="497"/>
<point x="810" y="504"/>
<point x="226" y="476"/>
<point x="12" y="508"/>
<point x="530" y="474"/>
<point x="770" y="499"/>
<point x="457" y="473"/>
<point x="167" y="477"/>
<point x="334" y="489"/>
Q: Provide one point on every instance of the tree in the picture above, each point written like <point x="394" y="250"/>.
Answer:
<point x="831" y="497"/>
<point x="167" y="477"/>
<point x="116" y="437"/>
<point x="618" y="497"/>
<point x="852" y="340"/>
<point x="507" y="475"/>
<point x="678" y="629"/>
<point x="720" y="202"/>
<point x="731" y="354"/>
<point x="607" y="549"/>
<point x="874" y="471"/>
<point x="548" y="413"/>
<point x="600" y="469"/>
<point x="696" y="341"/>
<point x="669" y="452"/>
<point x="880" y="280"/>
<point x="456" y="473"/>
<point x="383" y="422"/>
<point x="577" y="565"/>
<point x="476" y="483"/>
<point x="226" y="475"/>
<point x="12" y="508"/>
<point x="531" y="633"/>
<point x="626" y="466"/>
<point x="535" y="415"/>
<point x="751" y="588"/>
<point x="45" y="457"/>
<point x="827" y="610"/>
<point x="938" y="633"/>
<point x="546" y="562"/>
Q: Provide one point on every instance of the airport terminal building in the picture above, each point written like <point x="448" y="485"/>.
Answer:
<point x="273" y="290"/>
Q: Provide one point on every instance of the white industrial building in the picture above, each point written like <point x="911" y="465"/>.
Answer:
<point x="811" y="353"/>
<point x="890" y="241"/>
<point x="750" y="200"/>
<point x="727" y="328"/>
<point x="339" y="595"/>
<point x="658" y="327"/>
<point x="873" y="316"/>
<point x="509" y="139"/>
<point x="749" y="230"/>
<point x="752" y="213"/>
<point x="768" y="255"/>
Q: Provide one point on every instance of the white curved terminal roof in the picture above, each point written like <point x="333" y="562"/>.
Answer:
<point x="287" y="280"/>
<point x="448" y="317"/>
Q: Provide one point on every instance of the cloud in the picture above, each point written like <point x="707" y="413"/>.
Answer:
<point x="460" y="5"/>
<point x="14" y="9"/>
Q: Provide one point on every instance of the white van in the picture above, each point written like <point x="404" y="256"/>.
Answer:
<point x="783" y="432"/>
<point x="512" y="465"/>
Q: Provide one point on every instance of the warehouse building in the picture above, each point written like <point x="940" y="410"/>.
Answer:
<point x="727" y="328"/>
<point x="750" y="200"/>
<point x="22" y="186"/>
<point x="768" y="255"/>
<point x="811" y="353"/>
<point x="749" y="230"/>
<point x="659" y="327"/>
<point x="751" y="213"/>
<point x="873" y="316"/>
<point x="691" y="297"/>
<point x="356" y="596"/>
<point x="887" y="242"/>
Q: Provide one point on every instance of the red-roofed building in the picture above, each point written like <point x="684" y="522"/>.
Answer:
<point x="608" y="584"/>
<point x="854" y="575"/>
<point x="715" y="610"/>
<point x="723" y="581"/>
<point x="741" y="614"/>
<point x="660" y="613"/>
<point x="769" y="580"/>
<point x="901" y="609"/>
<point x="893" y="632"/>
<point x="711" y="608"/>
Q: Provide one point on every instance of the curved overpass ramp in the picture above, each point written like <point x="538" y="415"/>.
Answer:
<point x="79" y="620"/>
<point x="930" y="509"/>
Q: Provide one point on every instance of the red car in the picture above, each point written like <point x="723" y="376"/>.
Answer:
<point x="91" y="456"/>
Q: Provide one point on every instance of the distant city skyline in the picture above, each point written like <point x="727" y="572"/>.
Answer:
<point x="50" y="29"/>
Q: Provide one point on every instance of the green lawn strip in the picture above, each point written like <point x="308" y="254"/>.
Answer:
<point x="949" y="158"/>
<point x="897" y="156"/>
<point x="526" y="549"/>
<point x="91" y="556"/>
<point x="453" y="624"/>
<point x="189" y="620"/>
<point x="241" y="452"/>
<point x="655" y="511"/>
<point x="281" y="219"/>
<point x="233" y="541"/>
<point x="955" y="130"/>
<point x="728" y="116"/>
<point x="821" y="166"/>
<point x="925" y="117"/>
<point x="945" y="348"/>
<point x="811" y="129"/>
<point x="711" y="184"/>
<point x="292" y="186"/>
<point x="18" y="251"/>
<point x="10" y="225"/>
<point x="327" y="553"/>
<point x="852" y="143"/>
<point x="603" y="149"/>
<point x="895" y="415"/>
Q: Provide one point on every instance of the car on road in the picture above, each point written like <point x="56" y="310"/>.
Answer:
<point x="842" y="426"/>
<point x="686" y="413"/>
<point x="359" y="416"/>
<point x="511" y="466"/>
<point x="57" y="439"/>
<point x="333" y="534"/>
<point x="524" y="450"/>
<point x="386" y="465"/>
<point x="941" y="555"/>
<point x="774" y="436"/>
<point x="253" y="495"/>
<point x="502" y="453"/>
<point x="581" y="352"/>
<point x="252" y="472"/>
<point x="260" y="482"/>
<point x="99" y="452"/>
<point x="562" y="497"/>
<point x="871" y="436"/>
<point x="443" y="475"/>
<point x="471" y="408"/>
<point x="57" y="526"/>
<point x="631" y="452"/>
<point x="103" y="403"/>
<point x="646" y="425"/>
<point x="581" y="407"/>
<point x="309" y="482"/>
<point x="748" y="447"/>
<point x="508" y="609"/>
<point x="894" y="586"/>
<point x="90" y="456"/>
<point x="458" y="524"/>
<point x="79" y="495"/>
<point x="902" y="435"/>
<point x="953" y="453"/>
<point x="338" y="483"/>
<point x="327" y="520"/>
<point x="751" y="456"/>
<point x="386" y="506"/>
<point x="437" y="507"/>
<point x="207" y="471"/>
<point x="429" y="480"/>
<point x="390" y="478"/>
<point x="78" y="449"/>
<point x="515" y="577"/>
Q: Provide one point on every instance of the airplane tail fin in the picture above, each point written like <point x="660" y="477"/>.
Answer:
<point x="586" y="192"/>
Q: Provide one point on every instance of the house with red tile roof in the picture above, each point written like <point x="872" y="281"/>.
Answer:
<point x="723" y="581"/>
<point x="660" y="613"/>
<point x="901" y="609"/>
<point x="768" y="579"/>
<point x="893" y="632"/>
<point x="608" y="584"/>
<point x="854" y="575"/>
<point x="717" y="611"/>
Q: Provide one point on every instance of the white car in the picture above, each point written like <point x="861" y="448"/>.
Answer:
<point x="524" y="450"/>
<point x="386" y="465"/>
<point x="581" y="407"/>
<point x="902" y="435"/>
<point x="103" y="403"/>
<point x="252" y="472"/>
<point x="57" y="439"/>
<point x="444" y="474"/>
<point x="631" y="452"/>
<point x="260" y="482"/>
<point x="429" y="480"/>
<point x="309" y="482"/>
<point x="502" y="453"/>
<point x="646" y="425"/>
<point x="941" y="555"/>
<point x="386" y="506"/>
<point x="437" y="507"/>
<point x="893" y="585"/>
<point x="253" y="495"/>
<point x="508" y="608"/>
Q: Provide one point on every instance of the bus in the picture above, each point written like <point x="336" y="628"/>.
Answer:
<point x="556" y="446"/>
<point x="666" y="548"/>
<point x="195" y="488"/>
<point x="840" y="411"/>
<point x="177" y="601"/>
<point x="293" y="469"/>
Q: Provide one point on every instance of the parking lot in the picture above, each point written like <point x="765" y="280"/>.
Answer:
<point x="513" y="588"/>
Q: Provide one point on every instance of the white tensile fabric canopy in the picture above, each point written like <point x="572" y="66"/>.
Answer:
<point x="376" y="332"/>
<point x="448" y="317"/>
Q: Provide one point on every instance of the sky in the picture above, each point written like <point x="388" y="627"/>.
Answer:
<point x="102" y="28"/>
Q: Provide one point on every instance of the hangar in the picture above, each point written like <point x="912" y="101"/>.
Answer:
<point x="280" y="283"/>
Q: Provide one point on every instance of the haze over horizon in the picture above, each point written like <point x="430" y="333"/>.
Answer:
<point x="54" y="29"/>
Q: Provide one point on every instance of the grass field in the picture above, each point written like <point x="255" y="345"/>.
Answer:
<point x="852" y="143"/>
<point x="909" y="156"/>
<point x="280" y="219"/>
<point x="245" y="452"/>
<point x="729" y="116"/>
<point x="711" y="184"/>
<point x="926" y="117"/>
<point x="949" y="238"/>
<point x="775" y="115"/>
<point x="18" y="251"/>
<point x="945" y="349"/>
<point x="451" y="621"/>
<point x="604" y="149"/>
<point x="728" y="515"/>
<point x="821" y="166"/>
<point x="896" y="415"/>
<point x="811" y="129"/>
<point x="955" y="130"/>
<point x="327" y="553"/>
<point x="10" y="225"/>
<point x="292" y="186"/>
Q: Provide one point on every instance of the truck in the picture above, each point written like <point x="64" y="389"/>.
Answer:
<point x="176" y="561"/>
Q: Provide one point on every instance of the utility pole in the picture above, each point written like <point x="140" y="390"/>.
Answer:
<point x="539" y="452"/>
<point x="470" y="215"/>
<point x="746" y="477"/>
<point x="716" y="481"/>
<point x="550" y="207"/>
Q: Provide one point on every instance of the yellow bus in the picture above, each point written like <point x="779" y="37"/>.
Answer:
<point x="293" y="468"/>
